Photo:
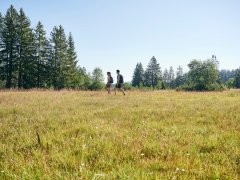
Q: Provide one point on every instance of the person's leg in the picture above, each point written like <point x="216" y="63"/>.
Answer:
<point x="122" y="91"/>
<point x="106" y="88"/>
<point x="116" y="87"/>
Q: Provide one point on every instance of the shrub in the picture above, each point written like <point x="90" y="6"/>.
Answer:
<point x="127" y="86"/>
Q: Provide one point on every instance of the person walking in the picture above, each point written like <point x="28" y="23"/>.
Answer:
<point x="109" y="82"/>
<point x="119" y="83"/>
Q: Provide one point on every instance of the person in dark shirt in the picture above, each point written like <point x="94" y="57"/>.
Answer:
<point x="119" y="83"/>
<point x="109" y="82"/>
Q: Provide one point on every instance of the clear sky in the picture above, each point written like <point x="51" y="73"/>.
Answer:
<point x="116" y="34"/>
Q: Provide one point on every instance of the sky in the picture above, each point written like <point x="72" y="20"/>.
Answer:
<point x="117" y="34"/>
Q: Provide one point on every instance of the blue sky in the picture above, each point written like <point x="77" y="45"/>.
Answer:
<point x="116" y="34"/>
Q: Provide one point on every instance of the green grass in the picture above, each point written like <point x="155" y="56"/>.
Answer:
<point x="145" y="135"/>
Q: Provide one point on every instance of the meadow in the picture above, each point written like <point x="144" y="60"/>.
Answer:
<point x="144" y="135"/>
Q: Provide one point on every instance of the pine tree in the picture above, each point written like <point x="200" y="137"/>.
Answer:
<point x="237" y="79"/>
<point x="60" y="63"/>
<point x="43" y="56"/>
<point x="166" y="78"/>
<point x="171" y="77"/>
<point x="26" y="61"/>
<point x="8" y="48"/>
<point x="179" y="77"/>
<point x="1" y="54"/>
<point x="138" y="75"/>
<point x="71" y="76"/>
<point x="1" y="23"/>
<point x="153" y="73"/>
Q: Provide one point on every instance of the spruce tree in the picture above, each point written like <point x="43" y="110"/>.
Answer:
<point x="42" y="56"/>
<point x="179" y="77"/>
<point x="60" y="62"/>
<point x="171" y="77"/>
<point x="138" y="76"/>
<point x="166" y="78"/>
<point x="9" y="48"/>
<point x="71" y="74"/>
<point x="26" y="61"/>
<point x="153" y="73"/>
<point x="1" y="54"/>
<point x="237" y="79"/>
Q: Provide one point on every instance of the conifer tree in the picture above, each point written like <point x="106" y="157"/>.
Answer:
<point x="166" y="78"/>
<point x="153" y="73"/>
<point x="179" y="77"/>
<point x="1" y="54"/>
<point x="237" y="79"/>
<point x="60" y="63"/>
<point x="71" y="76"/>
<point x="171" y="77"/>
<point x="43" y="56"/>
<point x="138" y="75"/>
<point x="26" y="59"/>
<point x="8" y="48"/>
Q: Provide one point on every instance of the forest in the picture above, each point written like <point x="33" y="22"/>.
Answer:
<point x="29" y="59"/>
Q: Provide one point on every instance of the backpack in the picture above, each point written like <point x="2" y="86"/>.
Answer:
<point x="121" y="79"/>
<point x="111" y="79"/>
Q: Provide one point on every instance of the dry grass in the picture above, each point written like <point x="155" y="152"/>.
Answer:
<point x="145" y="135"/>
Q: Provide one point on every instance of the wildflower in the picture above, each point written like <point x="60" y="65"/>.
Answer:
<point x="188" y="154"/>
<point x="142" y="154"/>
<point x="177" y="169"/>
<point x="183" y="170"/>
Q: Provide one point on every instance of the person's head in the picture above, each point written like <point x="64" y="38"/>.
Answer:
<point x="109" y="73"/>
<point x="118" y="71"/>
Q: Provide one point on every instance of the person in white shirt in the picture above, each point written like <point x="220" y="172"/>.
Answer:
<point x="119" y="83"/>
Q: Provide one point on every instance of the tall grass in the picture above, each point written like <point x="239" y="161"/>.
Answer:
<point x="145" y="135"/>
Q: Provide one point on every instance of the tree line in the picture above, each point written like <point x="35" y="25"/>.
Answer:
<point x="29" y="59"/>
<point x="202" y="75"/>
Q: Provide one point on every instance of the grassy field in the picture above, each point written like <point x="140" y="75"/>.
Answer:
<point x="144" y="135"/>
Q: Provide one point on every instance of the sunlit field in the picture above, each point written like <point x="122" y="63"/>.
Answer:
<point x="144" y="135"/>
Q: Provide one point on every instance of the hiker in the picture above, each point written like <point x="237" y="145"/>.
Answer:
<point x="119" y="83"/>
<point x="109" y="82"/>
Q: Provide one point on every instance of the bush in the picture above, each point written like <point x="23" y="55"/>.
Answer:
<point x="96" y="86"/>
<point x="2" y="84"/>
<point x="185" y="87"/>
<point x="216" y="87"/>
<point x="127" y="86"/>
<point x="237" y="80"/>
<point x="230" y="83"/>
<point x="194" y="87"/>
